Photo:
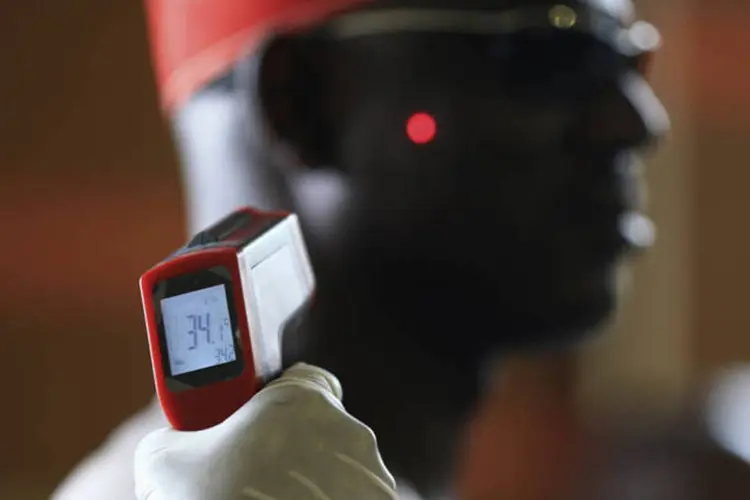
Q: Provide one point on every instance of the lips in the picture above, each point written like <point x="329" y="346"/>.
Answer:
<point x="638" y="230"/>
<point x="598" y="236"/>
<point x="605" y="207"/>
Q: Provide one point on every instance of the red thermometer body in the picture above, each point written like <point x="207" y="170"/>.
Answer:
<point x="215" y="311"/>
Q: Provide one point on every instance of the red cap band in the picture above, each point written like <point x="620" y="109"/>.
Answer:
<point x="194" y="41"/>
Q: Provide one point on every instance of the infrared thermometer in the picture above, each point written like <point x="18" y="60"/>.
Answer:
<point x="215" y="311"/>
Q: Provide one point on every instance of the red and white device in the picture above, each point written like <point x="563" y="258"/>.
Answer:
<point x="215" y="312"/>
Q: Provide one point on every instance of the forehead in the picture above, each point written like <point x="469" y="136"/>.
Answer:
<point x="620" y="8"/>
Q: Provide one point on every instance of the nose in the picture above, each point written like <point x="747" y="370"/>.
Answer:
<point x="627" y="116"/>
<point x="646" y="107"/>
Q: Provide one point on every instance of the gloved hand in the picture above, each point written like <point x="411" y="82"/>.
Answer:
<point x="292" y="441"/>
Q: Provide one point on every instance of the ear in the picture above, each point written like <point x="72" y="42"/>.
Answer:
<point x="292" y="78"/>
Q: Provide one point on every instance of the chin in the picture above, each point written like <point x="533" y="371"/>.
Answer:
<point x="581" y="322"/>
<point x="473" y="315"/>
<point x="558" y="320"/>
<point x="557" y="329"/>
<point x="474" y="326"/>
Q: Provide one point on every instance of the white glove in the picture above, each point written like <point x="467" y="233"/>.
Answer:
<point x="292" y="441"/>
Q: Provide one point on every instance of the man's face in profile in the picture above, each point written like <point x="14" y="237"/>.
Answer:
<point x="526" y="198"/>
<point x="510" y="223"/>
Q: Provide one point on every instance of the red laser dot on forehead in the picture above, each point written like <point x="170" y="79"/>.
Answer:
<point x="421" y="128"/>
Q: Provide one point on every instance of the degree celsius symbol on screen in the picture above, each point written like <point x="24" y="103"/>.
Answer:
<point x="198" y="330"/>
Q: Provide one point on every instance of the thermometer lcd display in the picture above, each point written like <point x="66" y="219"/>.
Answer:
<point x="198" y="330"/>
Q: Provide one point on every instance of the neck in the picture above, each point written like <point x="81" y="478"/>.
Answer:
<point x="417" y="403"/>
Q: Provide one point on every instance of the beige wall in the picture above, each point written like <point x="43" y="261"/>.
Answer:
<point x="721" y="241"/>
<point x="688" y="317"/>
<point x="646" y="356"/>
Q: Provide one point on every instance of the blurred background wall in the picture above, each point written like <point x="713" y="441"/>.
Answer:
<point x="89" y="198"/>
<point x="687" y="319"/>
<point x="646" y="361"/>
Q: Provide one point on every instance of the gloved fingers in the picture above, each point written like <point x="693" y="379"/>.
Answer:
<point x="312" y="377"/>
<point x="349" y="465"/>
<point x="314" y="446"/>
<point x="150" y="455"/>
<point x="311" y="445"/>
<point x="343" y="476"/>
<point x="363" y="456"/>
<point x="329" y="475"/>
<point x="357" y="448"/>
<point x="292" y="440"/>
<point x="313" y="469"/>
<point x="164" y="458"/>
<point x="298" y="382"/>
